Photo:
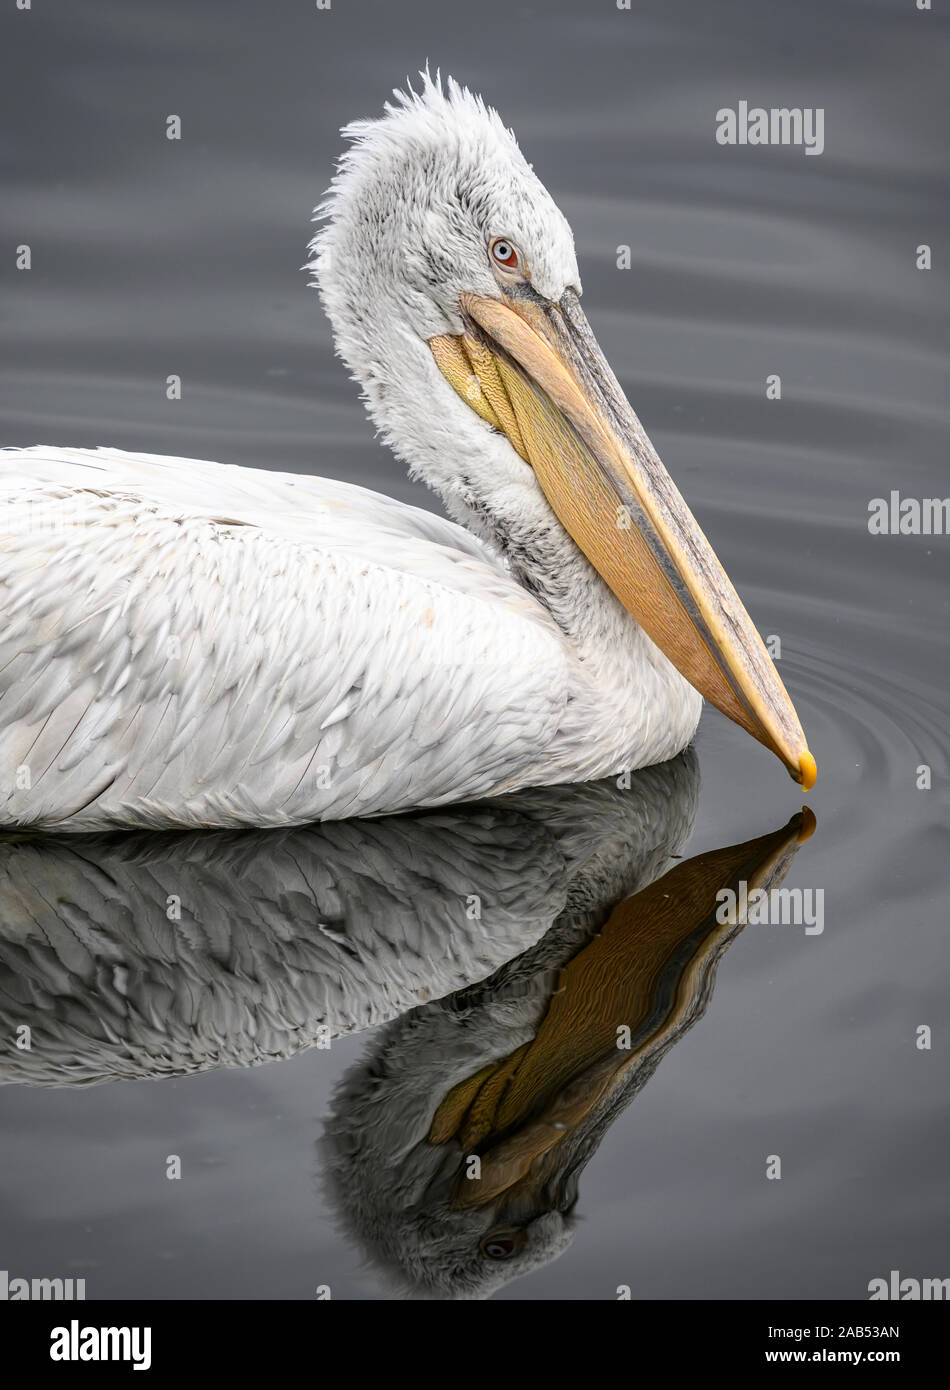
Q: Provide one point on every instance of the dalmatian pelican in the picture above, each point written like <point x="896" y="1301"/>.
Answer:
<point x="186" y="644"/>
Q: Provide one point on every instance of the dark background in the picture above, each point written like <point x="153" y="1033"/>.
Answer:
<point x="152" y="257"/>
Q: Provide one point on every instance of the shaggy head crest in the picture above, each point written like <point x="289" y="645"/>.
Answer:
<point x="415" y="201"/>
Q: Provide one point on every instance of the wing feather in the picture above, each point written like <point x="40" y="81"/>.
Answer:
<point x="189" y="644"/>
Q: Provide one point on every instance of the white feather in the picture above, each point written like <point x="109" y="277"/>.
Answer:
<point x="191" y="644"/>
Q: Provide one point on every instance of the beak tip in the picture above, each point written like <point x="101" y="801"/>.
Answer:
<point x="807" y="825"/>
<point x="808" y="771"/>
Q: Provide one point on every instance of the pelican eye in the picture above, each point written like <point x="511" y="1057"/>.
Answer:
<point x="504" y="254"/>
<point x="501" y="1245"/>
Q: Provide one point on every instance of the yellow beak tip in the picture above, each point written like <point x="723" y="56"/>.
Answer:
<point x="808" y="769"/>
<point x="807" y="825"/>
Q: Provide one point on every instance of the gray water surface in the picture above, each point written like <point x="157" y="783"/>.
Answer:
<point x="153" y="257"/>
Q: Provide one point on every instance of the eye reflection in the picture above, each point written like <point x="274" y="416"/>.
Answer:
<point x="501" y="1245"/>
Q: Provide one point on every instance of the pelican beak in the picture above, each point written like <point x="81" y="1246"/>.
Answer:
<point x="533" y="369"/>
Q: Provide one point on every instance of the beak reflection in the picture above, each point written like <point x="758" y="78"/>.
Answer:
<point x="534" y="1117"/>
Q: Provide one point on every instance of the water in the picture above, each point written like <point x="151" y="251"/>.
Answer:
<point x="152" y="257"/>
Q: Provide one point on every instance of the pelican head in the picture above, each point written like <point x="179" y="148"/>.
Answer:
<point x="450" y="278"/>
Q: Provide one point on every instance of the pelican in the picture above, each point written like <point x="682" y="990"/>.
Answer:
<point x="187" y="644"/>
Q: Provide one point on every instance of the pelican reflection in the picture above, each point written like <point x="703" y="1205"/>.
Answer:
<point x="525" y="963"/>
<point x="151" y="955"/>
<point x="456" y="1144"/>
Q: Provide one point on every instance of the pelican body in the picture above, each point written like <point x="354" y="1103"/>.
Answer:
<point x="188" y="644"/>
